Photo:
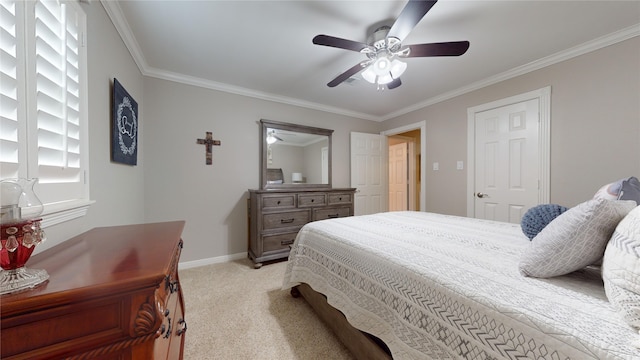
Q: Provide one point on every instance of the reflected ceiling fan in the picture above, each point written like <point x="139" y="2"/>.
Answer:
<point x="272" y="137"/>
<point x="384" y="48"/>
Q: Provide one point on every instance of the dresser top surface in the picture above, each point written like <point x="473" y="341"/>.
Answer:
<point x="101" y="261"/>
<point x="301" y="190"/>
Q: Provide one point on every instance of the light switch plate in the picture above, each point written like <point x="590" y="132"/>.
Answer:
<point x="436" y="166"/>
<point x="459" y="165"/>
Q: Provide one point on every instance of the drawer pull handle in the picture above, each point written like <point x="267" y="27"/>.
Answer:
<point x="183" y="328"/>
<point x="340" y="198"/>
<point x="286" y="221"/>
<point x="173" y="286"/>
<point x="312" y="200"/>
<point x="168" y="333"/>
<point x="278" y="202"/>
<point x="286" y="242"/>
<point x="333" y="216"/>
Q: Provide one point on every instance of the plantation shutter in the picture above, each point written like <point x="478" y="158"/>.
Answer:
<point x="56" y="65"/>
<point x="43" y="115"/>
<point x="11" y="90"/>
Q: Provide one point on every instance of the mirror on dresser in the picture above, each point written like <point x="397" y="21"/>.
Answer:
<point x="294" y="156"/>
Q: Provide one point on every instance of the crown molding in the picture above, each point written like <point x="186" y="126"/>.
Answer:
<point x="114" y="11"/>
<point x="558" y="57"/>
<point x="208" y="84"/>
<point x="119" y="21"/>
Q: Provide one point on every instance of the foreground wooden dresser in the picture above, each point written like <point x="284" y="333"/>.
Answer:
<point x="276" y="216"/>
<point x="113" y="293"/>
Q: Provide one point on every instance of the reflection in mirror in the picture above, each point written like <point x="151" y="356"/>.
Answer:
<point x="295" y="155"/>
<point x="302" y="157"/>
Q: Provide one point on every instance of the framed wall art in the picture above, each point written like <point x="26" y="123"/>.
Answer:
<point x="124" y="131"/>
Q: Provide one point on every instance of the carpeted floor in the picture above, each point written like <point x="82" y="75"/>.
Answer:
<point x="234" y="311"/>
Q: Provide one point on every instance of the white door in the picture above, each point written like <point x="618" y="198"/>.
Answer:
<point x="325" y="164"/>
<point x="506" y="161"/>
<point x="368" y="159"/>
<point x="398" y="177"/>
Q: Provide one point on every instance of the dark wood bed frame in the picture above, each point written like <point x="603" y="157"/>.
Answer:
<point x="362" y="345"/>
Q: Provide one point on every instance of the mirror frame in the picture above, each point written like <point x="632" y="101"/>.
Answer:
<point x="268" y="124"/>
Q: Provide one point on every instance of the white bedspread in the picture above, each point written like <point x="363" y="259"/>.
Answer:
<point x="443" y="287"/>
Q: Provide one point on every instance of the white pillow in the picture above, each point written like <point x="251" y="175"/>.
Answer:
<point x="575" y="239"/>
<point x="621" y="269"/>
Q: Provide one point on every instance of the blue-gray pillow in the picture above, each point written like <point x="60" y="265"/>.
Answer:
<point x="536" y="218"/>
<point x="630" y="190"/>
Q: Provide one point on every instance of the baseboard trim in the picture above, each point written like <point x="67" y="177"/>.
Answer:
<point x="214" y="260"/>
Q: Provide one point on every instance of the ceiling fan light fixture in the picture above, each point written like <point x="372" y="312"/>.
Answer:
<point x="382" y="65"/>
<point x="397" y="68"/>
<point x="385" y="79"/>
<point x="384" y="70"/>
<point x="369" y="75"/>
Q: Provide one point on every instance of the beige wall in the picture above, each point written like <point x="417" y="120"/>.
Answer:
<point x="116" y="189"/>
<point x="212" y="199"/>
<point x="288" y="158"/>
<point x="595" y="126"/>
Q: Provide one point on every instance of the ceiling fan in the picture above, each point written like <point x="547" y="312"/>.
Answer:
<point x="384" y="48"/>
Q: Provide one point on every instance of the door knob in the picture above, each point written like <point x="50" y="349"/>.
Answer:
<point x="481" y="195"/>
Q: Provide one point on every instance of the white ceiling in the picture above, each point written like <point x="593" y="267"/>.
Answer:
<point x="263" y="48"/>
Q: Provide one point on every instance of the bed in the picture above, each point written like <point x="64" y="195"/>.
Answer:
<point x="433" y="286"/>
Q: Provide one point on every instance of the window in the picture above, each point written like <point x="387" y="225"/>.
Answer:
<point x="43" y="112"/>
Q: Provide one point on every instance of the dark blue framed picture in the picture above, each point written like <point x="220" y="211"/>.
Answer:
<point x="124" y="131"/>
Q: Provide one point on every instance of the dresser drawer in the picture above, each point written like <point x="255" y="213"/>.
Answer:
<point x="279" y="201"/>
<point x="278" y="242"/>
<point x="285" y="219"/>
<point x="336" y="199"/>
<point x="312" y="200"/>
<point x="323" y="214"/>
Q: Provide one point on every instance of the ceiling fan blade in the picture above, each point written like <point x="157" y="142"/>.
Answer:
<point x="454" y="48"/>
<point x="347" y="74"/>
<point x="332" y="41"/>
<point x="394" y="84"/>
<point x="410" y="16"/>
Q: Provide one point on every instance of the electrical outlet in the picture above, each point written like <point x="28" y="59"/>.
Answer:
<point x="436" y="166"/>
<point x="459" y="165"/>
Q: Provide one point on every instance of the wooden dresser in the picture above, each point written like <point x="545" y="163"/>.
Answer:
<point x="113" y="293"/>
<point x="276" y="215"/>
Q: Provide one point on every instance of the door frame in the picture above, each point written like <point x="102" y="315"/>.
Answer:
<point x="543" y="96"/>
<point x="422" y="126"/>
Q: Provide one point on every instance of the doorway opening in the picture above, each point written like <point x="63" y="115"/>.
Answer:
<point x="406" y="170"/>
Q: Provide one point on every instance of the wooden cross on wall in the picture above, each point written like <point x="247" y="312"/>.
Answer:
<point x="208" y="142"/>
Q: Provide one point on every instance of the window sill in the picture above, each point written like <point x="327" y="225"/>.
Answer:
<point x="57" y="213"/>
